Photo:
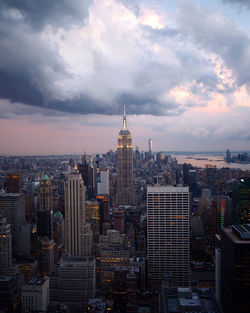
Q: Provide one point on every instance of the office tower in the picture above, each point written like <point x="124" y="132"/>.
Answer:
<point x="125" y="285"/>
<point x="12" y="206"/>
<point x="45" y="213"/>
<point x="103" y="185"/>
<point x="45" y="224"/>
<point x="45" y="194"/>
<point x="221" y="213"/>
<point x="241" y="202"/>
<point x="125" y="166"/>
<point x="235" y="269"/>
<point x="140" y="262"/>
<point x="150" y="147"/>
<point x="74" y="193"/>
<point x="87" y="241"/>
<point x="211" y="177"/>
<point x="228" y="156"/>
<point x="58" y="228"/>
<point x="168" y="234"/>
<point x="35" y="295"/>
<point x="74" y="282"/>
<point x="93" y="218"/>
<point x="196" y="300"/>
<point x="47" y="254"/>
<point x="28" y="266"/>
<point x="118" y="215"/>
<point x="13" y="183"/>
<point x="108" y="260"/>
<point x="103" y="201"/>
<point x="5" y="245"/>
<point x="218" y="274"/>
<point x="25" y="238"/>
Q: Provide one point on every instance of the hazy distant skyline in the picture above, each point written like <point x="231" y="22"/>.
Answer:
<point x="67" y="67"/>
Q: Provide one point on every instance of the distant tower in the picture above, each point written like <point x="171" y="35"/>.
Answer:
<point x="13" y="183"/>
<point x="124" y="166"/>
<point x="74" y="194"/>
<point x="150" y="147"/>
<point x="45" y="193"/>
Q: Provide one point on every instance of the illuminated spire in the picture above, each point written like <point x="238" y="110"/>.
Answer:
<point x="124" y="118"/>
<point x="75" y="167"/>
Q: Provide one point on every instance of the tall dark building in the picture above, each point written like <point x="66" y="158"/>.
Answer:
<point x="45" y="194"/>
<point x="45" y="213"/>
<point x="87" y="172"/>
<point x="125" y="194"/>
<point x="13" y="183"/>
<point x="211" y="177"/>
<point x="241" y="202"/>
<point x="12" y="206"/>
<point x="235" y="269"/>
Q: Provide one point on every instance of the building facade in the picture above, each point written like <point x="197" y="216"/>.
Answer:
<point x="13" y="183"/>
<point x="35" y="295"/>
<point x="12" y="206"/>
<point x="168" y="234"/>
<point x="74" y="282"/>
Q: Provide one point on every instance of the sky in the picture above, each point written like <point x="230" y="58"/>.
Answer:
<point x="182" y="68"/>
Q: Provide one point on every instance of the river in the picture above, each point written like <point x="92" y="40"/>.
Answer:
<point x="217" y="160"/>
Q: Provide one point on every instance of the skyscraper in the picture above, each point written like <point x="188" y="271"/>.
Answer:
<point x="45" y="213"/>
<point x="150" y="147"/>
<point x="125" y="166"/>
<point x="74" y="193"/>
<point x="12" y="206"/>
<point x="13" y="183"/>
<point x="168" y="234"/>
<point x="45" y="194"/>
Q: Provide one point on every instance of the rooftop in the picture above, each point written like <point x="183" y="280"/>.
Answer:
<point x="243" y="231"/>
<point x="37" y="281"/>
<point x="238" y="234"/>
<point x="192" y="300"/>
<point x="8" y="194"/>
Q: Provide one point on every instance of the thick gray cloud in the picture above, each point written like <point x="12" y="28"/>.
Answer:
<point x="53" y="56"/>
<point x="212" y="31"/>
<point x="241" y="2"/>
<point x="41" y="13"/>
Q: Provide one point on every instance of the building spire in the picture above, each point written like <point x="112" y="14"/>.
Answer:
<point x="124" y="118"/>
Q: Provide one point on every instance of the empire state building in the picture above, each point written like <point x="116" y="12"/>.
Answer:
<point x="125" y="195"/>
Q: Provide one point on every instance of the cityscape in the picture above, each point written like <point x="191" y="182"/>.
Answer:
<point x="124" y="156"/>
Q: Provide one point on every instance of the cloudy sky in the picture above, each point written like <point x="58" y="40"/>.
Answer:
<point x="67" y="67"/>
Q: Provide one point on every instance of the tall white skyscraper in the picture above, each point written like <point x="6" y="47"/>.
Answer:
<point x="103" y="186"/>
<point x="168" y="234"/>
<point x="74" y="193"/>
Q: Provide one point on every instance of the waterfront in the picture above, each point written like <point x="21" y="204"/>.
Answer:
<point x="200" y="160"/>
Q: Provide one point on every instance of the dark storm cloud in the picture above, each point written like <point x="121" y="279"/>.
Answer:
<point x="241" y="2"/>
<point x="48" y="59"/>
<point x="39" y="13"/>
<point x="212" y="31"/>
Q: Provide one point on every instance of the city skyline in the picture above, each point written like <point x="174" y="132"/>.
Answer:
<point x="181" y="68"/>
